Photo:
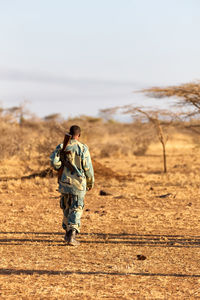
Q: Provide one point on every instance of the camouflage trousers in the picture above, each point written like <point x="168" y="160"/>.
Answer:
<point x="72" y="206"/>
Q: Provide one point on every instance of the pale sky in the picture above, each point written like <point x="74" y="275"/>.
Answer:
<point x="76" y="57"/>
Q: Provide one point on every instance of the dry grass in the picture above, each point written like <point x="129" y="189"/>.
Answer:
<point x="147" y="212"/>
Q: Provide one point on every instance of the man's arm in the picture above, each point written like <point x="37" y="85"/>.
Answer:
<point x="55" y="158"/>
<point x="88" y="169"/>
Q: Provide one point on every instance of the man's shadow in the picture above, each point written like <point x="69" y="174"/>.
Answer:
<point x="53" y="239"/>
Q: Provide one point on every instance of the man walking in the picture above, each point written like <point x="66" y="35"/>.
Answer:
<point x="77" y="177"/>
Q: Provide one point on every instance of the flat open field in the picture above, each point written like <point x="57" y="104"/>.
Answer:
<point x="145" y="213"/>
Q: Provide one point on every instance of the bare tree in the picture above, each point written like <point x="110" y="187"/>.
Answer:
<point x="160" y="119"/>
<point x="56" y="117"/>
<point x="19" y="112"/>
<point x="108" y="113"/>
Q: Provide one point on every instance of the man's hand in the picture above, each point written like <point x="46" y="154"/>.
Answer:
<point x="90" y="184"/>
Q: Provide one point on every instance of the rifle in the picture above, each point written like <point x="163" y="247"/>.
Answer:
<point x="62" y="154"/>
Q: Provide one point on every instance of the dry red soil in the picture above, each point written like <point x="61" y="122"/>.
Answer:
<point x="145" y="213"/>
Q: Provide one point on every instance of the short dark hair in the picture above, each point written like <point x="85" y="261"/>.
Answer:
<point x="75" y="130"/>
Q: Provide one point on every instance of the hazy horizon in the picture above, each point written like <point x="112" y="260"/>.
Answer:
<point x="78" y="57"/>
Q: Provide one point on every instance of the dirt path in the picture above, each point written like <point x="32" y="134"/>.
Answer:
<point x="153" y="215"/>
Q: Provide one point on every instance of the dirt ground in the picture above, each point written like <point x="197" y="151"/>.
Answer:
<point x="146" y="214"/>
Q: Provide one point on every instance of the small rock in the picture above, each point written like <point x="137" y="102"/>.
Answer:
<point x="141" y="257"/>
<point x="164" y="196"/>
<point x="104" y="193"/>
<point x="119" y="197"/>
<point x="175" y="166"/>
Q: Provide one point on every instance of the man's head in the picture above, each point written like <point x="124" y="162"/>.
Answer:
<point x="75" y="131"/>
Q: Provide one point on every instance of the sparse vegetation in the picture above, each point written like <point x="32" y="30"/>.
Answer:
<point x="138" y="238"/>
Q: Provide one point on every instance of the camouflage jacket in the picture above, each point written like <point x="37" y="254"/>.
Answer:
<point x="78" y="181"/>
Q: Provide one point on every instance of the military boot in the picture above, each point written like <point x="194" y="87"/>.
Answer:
<point x="72" y="238"/>
<point x="66" y="237"/>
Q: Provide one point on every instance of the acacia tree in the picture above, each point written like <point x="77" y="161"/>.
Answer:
<point x="188" y="93"/>
<point x="53" y="118"/>
<point x="187" y="96"/>
<point x="160" y="119"/>
<point x="18" y="112"/>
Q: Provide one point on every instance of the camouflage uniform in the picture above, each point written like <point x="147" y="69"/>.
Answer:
<point x="73" y="185"/>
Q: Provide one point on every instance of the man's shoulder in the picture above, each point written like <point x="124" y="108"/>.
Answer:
<point x="74" y="145"/>
<point x="83" y="147"/>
